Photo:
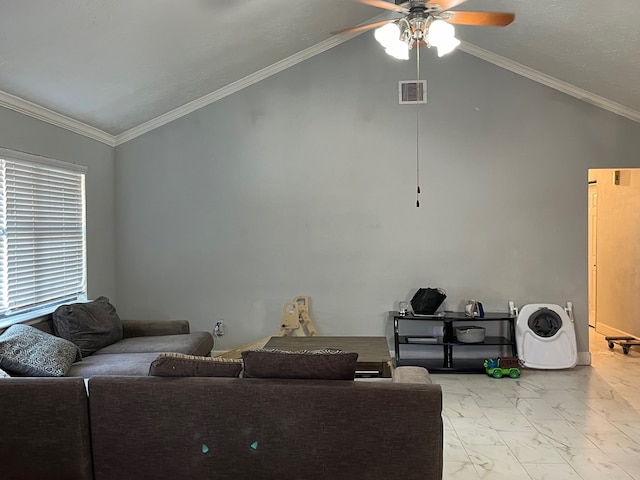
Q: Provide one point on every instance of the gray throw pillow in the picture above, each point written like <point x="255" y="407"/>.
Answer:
<point x="4" y="374"/>
<point x="328" y="364"/>
<point x="182" y="365"/>
<point x="90" y="325"/>
<point x="25" y="350"/>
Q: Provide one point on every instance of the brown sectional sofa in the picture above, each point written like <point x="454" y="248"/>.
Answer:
<point x="221" y="428"/>
<point x="107" y="419"/>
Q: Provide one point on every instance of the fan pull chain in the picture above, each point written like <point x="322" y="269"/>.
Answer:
<point x="417" y="125"/>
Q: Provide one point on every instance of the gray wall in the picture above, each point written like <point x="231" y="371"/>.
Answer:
<point x="304" y="184"/>
<point x="26" y="134"/>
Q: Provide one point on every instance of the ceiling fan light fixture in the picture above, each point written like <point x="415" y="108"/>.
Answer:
<point x="399" y="50"/>
<point x="442" y="36"/>
<point x="440" y="32"/>
<point x="388" y="34"/>
<point x="448" y="46"/>
<point x="398" y="40"/>
<point x="389" y="37"/>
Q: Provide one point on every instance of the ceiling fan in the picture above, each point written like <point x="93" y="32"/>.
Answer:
<point x="425" y="23"/>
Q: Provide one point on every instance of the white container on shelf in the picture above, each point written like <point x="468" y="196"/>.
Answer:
<point x="470" y="334"/>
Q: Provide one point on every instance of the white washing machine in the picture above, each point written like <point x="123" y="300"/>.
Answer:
<point x="546" y="337"/>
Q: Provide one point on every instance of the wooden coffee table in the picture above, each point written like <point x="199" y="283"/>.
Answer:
<point x="374" y="358"/>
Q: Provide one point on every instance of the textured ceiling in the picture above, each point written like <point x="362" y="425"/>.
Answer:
<point x="587" y="43"/>
<point x="115" y="65"/>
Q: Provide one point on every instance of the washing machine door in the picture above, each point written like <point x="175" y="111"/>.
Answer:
<point x="545" y="336"/>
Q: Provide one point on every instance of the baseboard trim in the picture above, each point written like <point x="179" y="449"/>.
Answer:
<point x="609" y="331"/>
<point x="584" y="358"/>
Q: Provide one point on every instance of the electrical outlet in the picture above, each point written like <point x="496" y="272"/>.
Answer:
<point x="438" y="331"/>
<point x="218" y="329"/>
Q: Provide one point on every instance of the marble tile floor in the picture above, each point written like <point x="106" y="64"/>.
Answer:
<point x="581" y="423"/>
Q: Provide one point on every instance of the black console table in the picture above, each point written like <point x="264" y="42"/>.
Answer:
<point x="442" y="335"/>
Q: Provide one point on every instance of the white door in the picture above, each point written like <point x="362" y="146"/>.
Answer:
<point x="593" y="267"/>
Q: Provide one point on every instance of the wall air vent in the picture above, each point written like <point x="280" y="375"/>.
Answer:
<point x="412" y="92"/>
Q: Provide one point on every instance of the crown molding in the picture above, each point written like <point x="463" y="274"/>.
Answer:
<point x="49" y="116"/>
<point x="25" y="107"/>
<point x="550" y="81"/>
<point x="233" y="87"/>
<point x="466" y="47"/>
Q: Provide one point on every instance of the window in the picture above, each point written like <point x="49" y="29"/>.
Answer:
<point x="42" y="235"/>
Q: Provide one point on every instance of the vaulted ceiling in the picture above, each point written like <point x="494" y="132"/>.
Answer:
<point x="114" y="69"/>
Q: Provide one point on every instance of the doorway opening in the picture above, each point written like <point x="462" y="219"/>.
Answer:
<point x="614" y="251"/>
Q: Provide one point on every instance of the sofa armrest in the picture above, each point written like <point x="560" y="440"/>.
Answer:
<point x="408" y="374"/>
<point x="147" y="328"/>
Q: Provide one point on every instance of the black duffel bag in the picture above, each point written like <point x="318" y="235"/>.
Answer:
<point x="427" y="300"/>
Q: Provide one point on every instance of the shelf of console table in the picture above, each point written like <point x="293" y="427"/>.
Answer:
<point x="448" y="342"/>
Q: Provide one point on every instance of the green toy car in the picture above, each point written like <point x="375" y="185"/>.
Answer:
<point x="498" y="367"/>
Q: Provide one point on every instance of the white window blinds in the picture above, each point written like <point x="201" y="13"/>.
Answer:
<point x="42" y="233"/>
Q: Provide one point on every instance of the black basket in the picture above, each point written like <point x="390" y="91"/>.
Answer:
<point x="427" y="300"/>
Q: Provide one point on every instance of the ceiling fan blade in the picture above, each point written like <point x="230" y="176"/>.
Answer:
<point x="362" y="28"/>
<point x="385" y="5"/>
<point x="445" y="4"/>
<point x="487" y="19"/>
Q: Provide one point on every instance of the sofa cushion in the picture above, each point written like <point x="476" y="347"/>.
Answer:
<point x="328" y="364"/>
<point x="90" y="325"/>
<point x="28" y="351"/>
<point x="180" y="365"/>
<point x="196" y="343"/>
<point x="129" y="364"/>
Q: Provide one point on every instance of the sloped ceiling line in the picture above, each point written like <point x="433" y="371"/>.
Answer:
<point x="27" y="108"/>
<point x="232" y="88"/>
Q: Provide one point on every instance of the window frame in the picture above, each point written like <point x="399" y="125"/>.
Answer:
<point x="34" y="311"/>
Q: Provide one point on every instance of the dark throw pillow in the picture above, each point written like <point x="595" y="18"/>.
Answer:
<point x="181" y="365"/>
<point x="90" y="325"/>
<point x="326" y="364"/>
<point x="25" y="350"/>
